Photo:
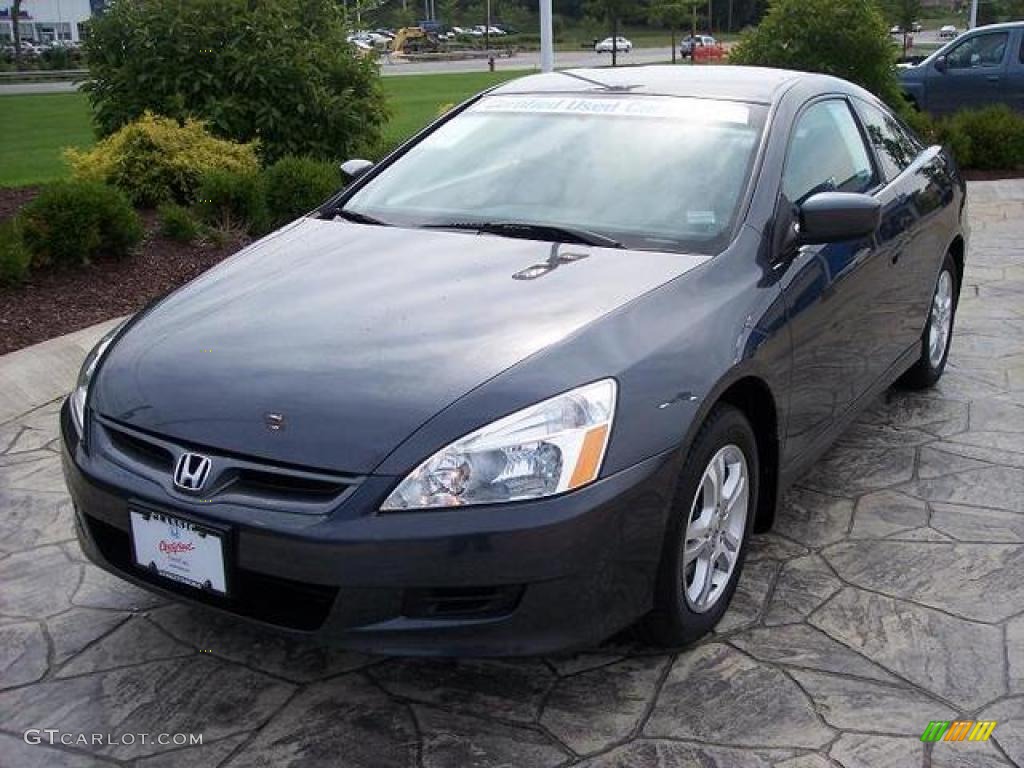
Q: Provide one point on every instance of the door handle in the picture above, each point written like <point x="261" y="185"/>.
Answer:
<point x="992" y="78"/>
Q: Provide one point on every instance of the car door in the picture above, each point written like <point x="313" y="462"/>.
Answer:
<point x="830" y="290"/>
<point x="914" y="190"/>
<point x="971" y="74"/>
<point x="1015" y="72"/>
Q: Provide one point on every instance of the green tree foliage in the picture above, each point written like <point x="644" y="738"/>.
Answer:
<point x="845" y="38"/>
<point x="673" y="14"/>
<point x="279" y="71"/>
<point x="995" y="11"/>
<point x="569" y="14"/>
<point x="903" y="12"/>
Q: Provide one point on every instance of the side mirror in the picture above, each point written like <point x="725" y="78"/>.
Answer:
<point x="940" y="64"/>
<point x="830" y="217"/>
<point x="355" y="168"/>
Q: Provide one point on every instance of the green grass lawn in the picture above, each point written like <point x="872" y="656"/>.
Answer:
<point x="35" y="128"/>
<point x="415" y="100"/>
<point x="33" y="131"/>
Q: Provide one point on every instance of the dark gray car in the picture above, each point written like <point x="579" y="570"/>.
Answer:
<point x="537" y="375"/>
<point x="981" y="67"/>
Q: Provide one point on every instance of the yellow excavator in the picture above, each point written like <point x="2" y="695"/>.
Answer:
<point x="415" y="40"/>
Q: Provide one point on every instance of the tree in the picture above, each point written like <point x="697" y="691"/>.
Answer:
<point x="612" y="12"/>
<point x="277" y="71"/>
<point x="845" y="38"/>
<point x="904" y="13"/>
<point x="994" y="11"/>
<point x="672" y="14"/>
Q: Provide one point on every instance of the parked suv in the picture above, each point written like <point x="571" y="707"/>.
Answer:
<point x="982" y="66"/>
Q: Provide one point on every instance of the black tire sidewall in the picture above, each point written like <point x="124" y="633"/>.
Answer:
<point x="675" y="623"/>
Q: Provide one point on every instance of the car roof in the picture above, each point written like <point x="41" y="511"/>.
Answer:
<point x="1002" y="25"/>
<point x="732" y="83"/>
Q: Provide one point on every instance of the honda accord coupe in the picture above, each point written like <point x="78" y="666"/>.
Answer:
<point x="537" y="375"/>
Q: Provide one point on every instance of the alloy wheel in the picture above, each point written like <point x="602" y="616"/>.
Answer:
<point x="714" y="532"/>
<point x="941" y="320"/>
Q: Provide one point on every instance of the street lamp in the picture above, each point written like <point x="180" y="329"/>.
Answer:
<point x="547" y="41"/>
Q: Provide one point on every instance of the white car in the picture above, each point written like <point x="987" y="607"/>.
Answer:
<point x="619" y="43"/>
<point x="948" y="32"/>
<point x="481" y="29"/>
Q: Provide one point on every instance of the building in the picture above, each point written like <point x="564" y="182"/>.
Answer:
<point x="47" y="20"/>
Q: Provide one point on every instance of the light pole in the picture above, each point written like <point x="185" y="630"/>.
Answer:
<point x="547" y="41"/>
<point x="974" y="14"/>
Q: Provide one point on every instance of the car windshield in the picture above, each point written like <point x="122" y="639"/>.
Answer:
<point x="649" y="172"/>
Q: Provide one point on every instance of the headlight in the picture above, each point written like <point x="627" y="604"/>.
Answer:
<point x="85" y="377"/>
<point x="554" y="446"/>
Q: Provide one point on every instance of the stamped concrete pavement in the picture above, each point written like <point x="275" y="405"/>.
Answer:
<point x="890" y="593"/>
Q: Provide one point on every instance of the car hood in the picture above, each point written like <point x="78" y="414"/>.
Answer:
<point x="354" y="335"/>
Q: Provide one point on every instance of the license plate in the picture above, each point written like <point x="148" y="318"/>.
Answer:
<point x="180" y="550"/>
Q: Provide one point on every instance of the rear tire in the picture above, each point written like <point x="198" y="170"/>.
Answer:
<point x="708" y="530"/>
<point x="938" y="331"/>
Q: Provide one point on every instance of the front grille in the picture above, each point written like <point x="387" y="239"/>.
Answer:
<point x="144" y="451"/>
<point x="460" y="602"/>
<point x="284" y="602"/>
<point x="233" y="478"/>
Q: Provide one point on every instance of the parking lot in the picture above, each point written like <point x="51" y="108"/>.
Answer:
<point x="890" y="594"/>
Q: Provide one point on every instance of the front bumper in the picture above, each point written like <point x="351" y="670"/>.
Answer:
<point x="523" y="578"/>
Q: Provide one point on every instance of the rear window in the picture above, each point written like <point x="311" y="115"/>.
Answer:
<point x="894" y="145"/>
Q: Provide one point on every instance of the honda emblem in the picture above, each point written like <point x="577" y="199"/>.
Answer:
<point x="191" y="471"/>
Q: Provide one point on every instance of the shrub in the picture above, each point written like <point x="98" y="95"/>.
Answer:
<point x="177" y="223"/>
<point x="229" y="201"/>
<point x="14" y="256"/>
<point x="295" y="185"/>
<point x="156" y="159"/>
<point x="989" y="139"/>
<point x="845" y="38"/>
<point x="277" y="70"/>
<point x="69" y="222"/>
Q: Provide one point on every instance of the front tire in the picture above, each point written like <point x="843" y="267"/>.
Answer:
<point x="938" y="331"/>
<point x="708" y="531"/>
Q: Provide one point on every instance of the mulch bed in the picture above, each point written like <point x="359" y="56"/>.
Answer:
<point x="993" y="175"/>
<point x="11" y="199"/>
<point x="53" y="302"/>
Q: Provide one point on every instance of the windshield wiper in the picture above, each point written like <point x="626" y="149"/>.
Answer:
<point x="533" y="231"/>
<point x="359" y="218"/>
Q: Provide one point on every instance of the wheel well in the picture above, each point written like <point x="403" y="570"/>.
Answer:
<point x="956" y="250"/>
<point x="752" y="396"/>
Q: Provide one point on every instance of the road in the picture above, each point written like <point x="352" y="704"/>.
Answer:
<point x="395" y="67"/>
<point x="528" y="60"/>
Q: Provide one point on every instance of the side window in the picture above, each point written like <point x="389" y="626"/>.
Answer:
<point x="826" y="154"/>
<point x="896" y="149"/>
<point x="978" y="51"/>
